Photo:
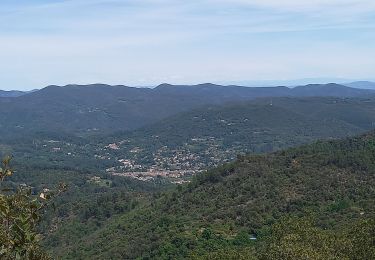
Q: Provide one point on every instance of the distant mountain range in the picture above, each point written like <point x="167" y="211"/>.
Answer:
<point x="260" y="83"/>
<point x="12" y="93"/>
<point x="99" y="108"/>
<point x="362" y="84"/>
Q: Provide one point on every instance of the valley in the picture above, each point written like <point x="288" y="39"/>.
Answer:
<point x="219" y="171"/>
<point x="190" y="142"/>
<point x="187" y="130"/>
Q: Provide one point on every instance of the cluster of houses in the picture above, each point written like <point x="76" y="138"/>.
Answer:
<point x="176" y="176"/>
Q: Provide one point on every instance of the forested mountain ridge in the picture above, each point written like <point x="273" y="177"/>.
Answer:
<point x="277" y="115"/>
<point x="211" y="135"/>
<point x="103" y="109"/>
<point x="332" y="179"/>
<point x="232" y="91"/>
<point x="192" y="141"/>
<point x="12" y="93"/>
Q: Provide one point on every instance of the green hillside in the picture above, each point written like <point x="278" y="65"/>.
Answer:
<point x="331" y="181"/>
<point x="201" y="138"/>
<point x="104" y="216"/>
<point x="211" y="135"/>
<point x="270" y="122"/>
<point x="87" y="110"/>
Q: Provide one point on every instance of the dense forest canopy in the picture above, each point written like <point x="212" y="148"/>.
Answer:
<point x="250" y="190"/>
<point x="221" y="210"/>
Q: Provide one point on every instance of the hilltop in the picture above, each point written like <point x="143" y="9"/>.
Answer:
<point x="12" y="93"/>
<point x="103" y="109"/>
<point x="362" y="84"/>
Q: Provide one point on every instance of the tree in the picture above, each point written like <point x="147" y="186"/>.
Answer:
<point x="298" y="238"/>
<point x="20" y="212"/>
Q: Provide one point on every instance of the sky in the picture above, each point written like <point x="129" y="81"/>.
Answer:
<point x="148" y="42"/>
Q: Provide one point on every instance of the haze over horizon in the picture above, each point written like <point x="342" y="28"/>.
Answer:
<point x="147" y="42"/>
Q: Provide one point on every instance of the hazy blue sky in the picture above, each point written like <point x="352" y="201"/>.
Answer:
<point x="145" y="42"/>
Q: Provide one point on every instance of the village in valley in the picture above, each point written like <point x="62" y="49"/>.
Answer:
<point x="177" y="165"/>
<point x="140" y="160"/>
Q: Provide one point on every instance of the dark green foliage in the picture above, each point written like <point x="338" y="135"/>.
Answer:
<point x="214" y="213"/>
<point x="20" y="213"/>
<point x="218" y="212"/>
<point x="212" y="135"/>
<point x="217" y="134"/>
<point x="301" y="238"/>
<point x="361" y="239"/>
